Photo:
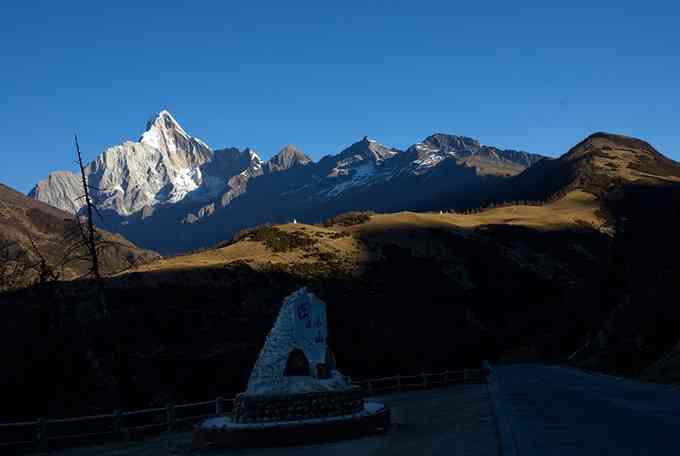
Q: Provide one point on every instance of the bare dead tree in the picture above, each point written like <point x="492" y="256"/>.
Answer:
<point x="90" y="236"/>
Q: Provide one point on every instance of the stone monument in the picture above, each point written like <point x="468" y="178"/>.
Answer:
<point x="295" y="393"/>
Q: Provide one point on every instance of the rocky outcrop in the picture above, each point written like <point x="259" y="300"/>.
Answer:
<point x="61" y="189"/>
<point x="237" y="185"/>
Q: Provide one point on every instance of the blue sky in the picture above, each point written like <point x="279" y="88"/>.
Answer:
<point x="524" y="75"/>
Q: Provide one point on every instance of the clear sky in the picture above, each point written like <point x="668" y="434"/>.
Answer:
<point x="525" y="75"/>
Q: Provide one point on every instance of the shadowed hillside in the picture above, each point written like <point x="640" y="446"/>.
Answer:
<point x="590" y="272"/>
<point x="193" y="326"/>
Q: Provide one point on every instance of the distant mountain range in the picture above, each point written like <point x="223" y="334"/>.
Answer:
<point x="171" y="192"/>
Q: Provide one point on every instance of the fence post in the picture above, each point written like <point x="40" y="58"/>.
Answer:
<point x="398" y="379"/>
<point x="41" y="436"/>
<point x="170" y="417"/>
<point x="424" y="380"/>
<point x="369" y="387"/>
<point x="219" y="406"/>
<point x="446" y="377"/>
<point x="465" y="376"/>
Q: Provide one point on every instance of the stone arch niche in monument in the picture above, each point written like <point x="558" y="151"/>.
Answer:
<point x="295" y="393"/>
<point x="297" y="364"/>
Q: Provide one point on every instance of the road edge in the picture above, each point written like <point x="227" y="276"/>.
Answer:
<point x="637" y="381"/>
<point x="501" y="410"/>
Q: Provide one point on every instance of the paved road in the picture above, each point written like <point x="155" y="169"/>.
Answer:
<point x="456" y="421"/>
<point x="562" y="411"/>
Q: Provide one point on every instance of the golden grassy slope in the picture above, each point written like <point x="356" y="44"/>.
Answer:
<point x="572" y="210"/>
<point x="257" y="254"/>
<point x="575" y="207"/>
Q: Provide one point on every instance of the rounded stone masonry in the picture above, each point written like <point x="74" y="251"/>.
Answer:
<point x="286" y="407"/>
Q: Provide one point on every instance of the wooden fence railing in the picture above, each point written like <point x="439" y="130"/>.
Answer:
<point x="42" y="434"/>
<point x="423" y="381"/>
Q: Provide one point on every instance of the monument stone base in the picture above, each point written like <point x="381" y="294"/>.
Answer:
<point x="224" y="432"/>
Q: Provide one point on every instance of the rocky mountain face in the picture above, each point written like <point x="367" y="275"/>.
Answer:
<point x="163" y="167"/>
<point x="288" y="157"/>
<point x="469" y="152"/>
<point x="171" y="179"/>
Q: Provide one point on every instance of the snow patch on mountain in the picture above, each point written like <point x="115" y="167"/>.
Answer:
<point x="152" y="138"/>
<point x="361" y="176"/>
<point x="254" y="156"/>
<point x="429" y="161"/>
<point x="185" y="182"/>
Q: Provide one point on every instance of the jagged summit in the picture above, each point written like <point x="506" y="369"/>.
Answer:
<point x="164" y="132"/>
<point x="164" y="121"/>
<point x="446" y="141"/>
<point x="286" y="158"/>
<point x="469" y="152"/>
<point x="368" y="149"/>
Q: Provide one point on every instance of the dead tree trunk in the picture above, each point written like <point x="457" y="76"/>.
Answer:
<point x="91" y="241"/>
<point x="90" y="238"/>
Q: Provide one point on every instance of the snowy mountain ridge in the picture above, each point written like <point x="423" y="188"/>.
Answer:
<point x="164" y="167"/>
<point x="172" y="173"/>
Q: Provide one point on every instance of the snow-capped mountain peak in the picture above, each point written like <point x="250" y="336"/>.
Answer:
<point x="163" y="167"/>
<point x="161" y="130"/>
<point x="165" y="121"/>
